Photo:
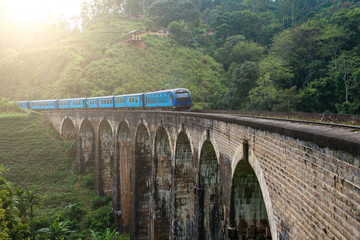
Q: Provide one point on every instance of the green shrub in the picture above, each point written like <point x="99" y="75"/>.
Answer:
<point x="99" y="201"/>
<point x="100" y="219"/>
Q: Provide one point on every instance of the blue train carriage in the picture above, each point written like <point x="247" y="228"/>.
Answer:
<point x="178" y="98"/>
<point x="43" y="104"/>
<point x="24" y="104"/>
<point x="100" y="102"/>
<point x="129" y="101"/>
<point x="72" y="103"/>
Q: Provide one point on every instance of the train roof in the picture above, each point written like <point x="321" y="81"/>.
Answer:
<point x="168" y="90"/>
<point x="71" y="99"/>
<point x="100" y="97"/>
<point x="127" y="95"/>
<point x="48" y="100"/>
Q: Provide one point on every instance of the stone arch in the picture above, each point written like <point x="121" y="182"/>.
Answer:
<point x="143" y="173"/>
<point x="105" y="157"/>
<point x="184" y="192"/>
<point x="124" y="159"/>
<point x="162" y="185"/>
<point x="249" y="216"/>
<point x="210" y="194"/>
<point x="68" y="130"/>
<point x="86" y="144"/>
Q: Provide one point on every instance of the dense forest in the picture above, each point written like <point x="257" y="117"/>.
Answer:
<point x="280" y="55"/>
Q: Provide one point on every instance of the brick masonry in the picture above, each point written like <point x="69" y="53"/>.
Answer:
<point x="309" y="176"/>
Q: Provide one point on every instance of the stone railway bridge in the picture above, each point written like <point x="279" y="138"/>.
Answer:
<point x="204" y="176"/>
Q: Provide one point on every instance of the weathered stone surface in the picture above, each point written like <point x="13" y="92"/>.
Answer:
<point x="309" y="176"/>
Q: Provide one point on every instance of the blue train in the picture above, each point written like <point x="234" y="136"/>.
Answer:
<point x="171" y="99"/>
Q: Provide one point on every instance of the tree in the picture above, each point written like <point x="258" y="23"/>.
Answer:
<point x="245" y="23"/>
<point x="11" y="226"/>
<point x="347" y="71"/>
<point x="264" y="96"/>
<point x="32" y="199"/>
<point x="279" y="71"/>
<point x="242" y="79"/>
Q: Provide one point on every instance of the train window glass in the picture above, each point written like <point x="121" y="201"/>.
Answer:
<point x="110" y="101"/>
<point x="136" y="99"/>
<point x="107" y="101"/>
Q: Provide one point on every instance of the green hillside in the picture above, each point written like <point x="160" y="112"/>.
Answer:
<point x="37" y="159"/>
<point x="100" y="61"/>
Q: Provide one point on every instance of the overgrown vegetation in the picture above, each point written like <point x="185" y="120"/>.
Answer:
<point x="43" y="197"/>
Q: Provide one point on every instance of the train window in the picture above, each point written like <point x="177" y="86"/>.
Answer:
<point x="107" y="101"/>
<point x="136" y="99"/>
<point x="110" y="101"/>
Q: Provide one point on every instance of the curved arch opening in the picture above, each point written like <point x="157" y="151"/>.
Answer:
<point x="143" y="173"/>
<point x="68" y="130"/>
<point x="184" y="189"/>
<point x="248" y="214"/>
<point x="210" y="195"/>
<point x="87" y="146"/>
<point x="162" y="185"/>
<point x="106" y="157"/>
<point x="124" y="163"/>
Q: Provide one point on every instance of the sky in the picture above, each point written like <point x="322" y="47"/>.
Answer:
<point x="40" y="10"/>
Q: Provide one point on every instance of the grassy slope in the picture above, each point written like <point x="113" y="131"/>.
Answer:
<point x="38" y="160"/>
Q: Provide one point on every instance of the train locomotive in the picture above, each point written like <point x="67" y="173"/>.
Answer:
<point x="170" y="99"/>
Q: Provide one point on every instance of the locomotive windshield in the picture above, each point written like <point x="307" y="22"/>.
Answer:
<point x="183" y="96"/>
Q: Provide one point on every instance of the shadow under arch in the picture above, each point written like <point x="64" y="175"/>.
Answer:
<point x="105" y="164"/>
<point x="162" y="185"/>
<point x="86" y="143"/>
<point x="121" y="199"/>
<point x="68" y="130"/>
<point x="142" y="181"/>
<point x="210" y="194"/>
<point x="248" y="213"/>
<point x="184" y="184"/>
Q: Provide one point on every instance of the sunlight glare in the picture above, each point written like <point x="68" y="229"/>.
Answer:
<point x="40" y="10"/>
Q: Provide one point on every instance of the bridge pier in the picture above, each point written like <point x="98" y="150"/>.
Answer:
<point x="196" y="176"/>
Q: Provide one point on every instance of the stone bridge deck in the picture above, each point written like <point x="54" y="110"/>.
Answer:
<point x="205" y="176"/>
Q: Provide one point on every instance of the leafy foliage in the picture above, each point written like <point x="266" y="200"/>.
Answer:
<point x="99" y="219"/>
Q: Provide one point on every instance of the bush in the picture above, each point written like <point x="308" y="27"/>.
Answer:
<point x="6" y="106"/>
<point x="99" y="201"/>
<point x="99" y="219"/>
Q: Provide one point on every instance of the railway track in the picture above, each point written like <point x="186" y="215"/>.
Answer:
<point x="337" y="125"/>
<point x="354" y="124"/>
